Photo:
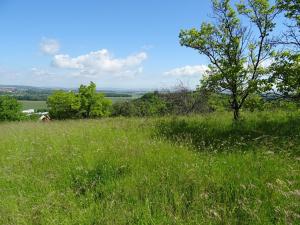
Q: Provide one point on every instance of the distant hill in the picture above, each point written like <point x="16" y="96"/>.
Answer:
<point x="41" y="93"/>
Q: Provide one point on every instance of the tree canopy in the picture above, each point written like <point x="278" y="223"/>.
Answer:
<point x="236" y="53"/>
<point x="10" y="109"/>
<point x="87" y="103"/>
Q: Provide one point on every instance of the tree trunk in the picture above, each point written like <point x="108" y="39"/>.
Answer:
<point x="236" y="113"/>
<point x="235" y="106"/>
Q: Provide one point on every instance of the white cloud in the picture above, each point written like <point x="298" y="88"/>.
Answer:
<point x="49" y="46"/>
<point x="187" y="71"/>
<point x="41" y="72"/>
<point x="101" y="62"/>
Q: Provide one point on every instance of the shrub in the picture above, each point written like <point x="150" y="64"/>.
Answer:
<point x="181" y="102"/>
<point x="63" y="105"/>
<point x="87" y="103"/>
<point x="10" y="109"/>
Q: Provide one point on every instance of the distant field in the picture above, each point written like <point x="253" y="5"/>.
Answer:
<point x="43" y="105"/>
<point x="120" y="99"/>
<point x="34" y="104"/>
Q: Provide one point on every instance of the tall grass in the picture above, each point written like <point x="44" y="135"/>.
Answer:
<point x="115" y="171"/>
<point x="273" y="131"/>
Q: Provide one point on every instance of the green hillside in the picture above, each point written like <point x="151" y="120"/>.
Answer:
<point x="144" y="171"/>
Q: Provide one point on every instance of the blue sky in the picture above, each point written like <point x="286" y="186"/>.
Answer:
<point x="117" y="44"/>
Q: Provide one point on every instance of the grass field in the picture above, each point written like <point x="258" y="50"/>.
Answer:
<point x="33" y="105"/>
<point x="189" y="170"/>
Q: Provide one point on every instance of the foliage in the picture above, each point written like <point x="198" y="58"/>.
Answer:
<point x="26" y="93"/>
<point x="10" y="109"/>
<point x="286" y="75"/>
<point x="87" y="103"/>
<point x="150" y="104"/>
<point x="114" y="171"/>
<point x="218" y="102"/>
<point x="181" y="102"/>
<point x="281" y="104"/>
<point x="92" y="104"/>
<point x="236" y="56"/>
<point x="291" y="9"/>
<point x="254" y="102"/>
<point x="63" y="105"/>
<point x="126" y="109"/>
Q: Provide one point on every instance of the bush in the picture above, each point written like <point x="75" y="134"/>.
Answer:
<point x="92" y="104"/>
<point x="254" y="102"/>
<point x="218" y="102"/>
<point x="63" y="105"/>
<point x="87" y="103"/>
<point x="124" y="109"/>
<point x="181" y="102"/>
<point x="10" y="109"/>
<point x="281" y="104"/>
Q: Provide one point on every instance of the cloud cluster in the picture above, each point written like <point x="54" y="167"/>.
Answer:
<point x="188" y="71"/>
<point x="49" y="46"/>
<point x="103" y="65"/>
<point x="100" y="62"/>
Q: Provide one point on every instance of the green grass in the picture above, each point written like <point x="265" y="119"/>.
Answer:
<point x="33" y="104"/>
<point x="130" y="171"/>
<point x="265" y="131"/>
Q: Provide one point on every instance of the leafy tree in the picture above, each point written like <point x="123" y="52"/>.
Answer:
<point x="286" y="75"/>
<point x="151" y="104"/>
<point x="93" y="104"/>
<point x="10" y="109"/>
<point x="127" y="108"/>
<point x="291" y="9"/>
<point x="180" y="102"/>
<point x="63" y="105"/>
<point x="254" y="102"/>
<point x="218" y="101"/>
<point x="286" y="67"/>
<point x="87" y="103"/>
<point x="235" y="53"/>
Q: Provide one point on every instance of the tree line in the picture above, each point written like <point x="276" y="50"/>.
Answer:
<point x="87" y="103"/>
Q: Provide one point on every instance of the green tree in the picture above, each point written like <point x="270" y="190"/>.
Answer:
<point x="286" y="75"/>
<point x="87" y="103"/>
<point x="127" y="108"/>
<point x="291" y="9"/>
<point x="63" y="105"/>
<point x="235" y="53"/>
<point x="286" y="67"/>
<point x="93" y="104"/>
<point x="254" y="102"/>
<point x="10" y="109"/>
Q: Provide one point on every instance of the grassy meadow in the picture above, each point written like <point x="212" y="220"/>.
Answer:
<point x="187" y="170"/>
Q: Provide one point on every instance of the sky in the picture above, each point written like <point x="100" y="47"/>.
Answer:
<point x="130" y="44"/>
